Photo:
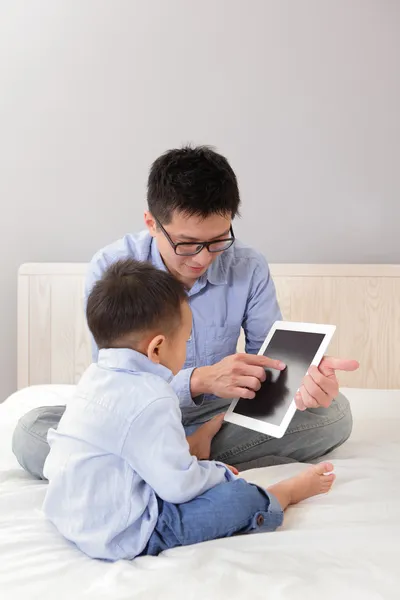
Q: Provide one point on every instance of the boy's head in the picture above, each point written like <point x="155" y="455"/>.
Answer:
<point x="134" y="305"/>
<point x="193" y="196"/>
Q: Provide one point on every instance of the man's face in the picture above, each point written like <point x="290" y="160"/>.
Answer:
<point x="183" y="228"/>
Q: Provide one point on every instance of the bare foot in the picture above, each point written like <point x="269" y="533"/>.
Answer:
<point x="200" y="440"/>
<point x="311" y="482"/>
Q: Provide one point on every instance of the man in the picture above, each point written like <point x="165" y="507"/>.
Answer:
<point x="193" y="198"/>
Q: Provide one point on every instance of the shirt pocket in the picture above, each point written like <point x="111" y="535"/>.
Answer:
<point x="221" y="341"/>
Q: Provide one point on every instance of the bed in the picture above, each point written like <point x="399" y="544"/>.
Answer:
<point x="344" y="544"/>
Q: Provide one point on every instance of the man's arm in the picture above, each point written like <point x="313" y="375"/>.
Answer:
<point x="240" y="375"/>
<point x="320" y="385"/>
<point x="262" y="308"/>
<point x="156" y="448"/>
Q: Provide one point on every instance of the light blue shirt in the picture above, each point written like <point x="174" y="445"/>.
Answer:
<point x="119" y="444"/>
<point x="236" y="291"/>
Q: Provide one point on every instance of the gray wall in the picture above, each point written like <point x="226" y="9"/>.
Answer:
<point x="303" y="97"/>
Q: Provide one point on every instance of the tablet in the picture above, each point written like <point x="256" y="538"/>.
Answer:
<point x="298" y="345"/>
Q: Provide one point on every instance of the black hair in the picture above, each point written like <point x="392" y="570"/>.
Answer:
<point x="133" y="297"/>
<point x="196" y="181"/>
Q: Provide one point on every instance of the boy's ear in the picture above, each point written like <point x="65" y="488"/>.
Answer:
<point x="154" y="348"/>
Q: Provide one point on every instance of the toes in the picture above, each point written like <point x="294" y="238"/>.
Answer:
<point x="324" y="467"/>
<point x="327" y="482"/>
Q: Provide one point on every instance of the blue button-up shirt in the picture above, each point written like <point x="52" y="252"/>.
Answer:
<point x="236" y="291"/>
<point x="119" y="445"/>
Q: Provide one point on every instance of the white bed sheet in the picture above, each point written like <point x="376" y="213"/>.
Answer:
<point x="345" y="544"/>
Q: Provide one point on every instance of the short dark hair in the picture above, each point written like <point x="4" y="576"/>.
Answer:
<point x="196" y="181"/>
<point x="133" y="297"/>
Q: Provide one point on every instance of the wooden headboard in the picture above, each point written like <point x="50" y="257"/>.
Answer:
<point x="362" y="300"/>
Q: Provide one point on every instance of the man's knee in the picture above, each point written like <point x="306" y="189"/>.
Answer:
<point x="334" y="429"/>
<point x="29" y="442"/>
<point x="342" y="428"/>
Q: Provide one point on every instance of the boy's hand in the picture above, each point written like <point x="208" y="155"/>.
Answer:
<point x="233" y="469"/>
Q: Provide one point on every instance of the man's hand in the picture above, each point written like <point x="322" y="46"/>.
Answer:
<point x="236" y="376"/>
<point x="200" y="441"/>
<point x="320" y="386"/>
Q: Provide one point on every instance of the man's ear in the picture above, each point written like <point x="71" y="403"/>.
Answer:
<point x="155" y="347"/>
<point x="150" y="222"/>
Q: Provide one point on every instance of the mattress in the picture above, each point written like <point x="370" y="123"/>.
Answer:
<point x="344" y="544"/>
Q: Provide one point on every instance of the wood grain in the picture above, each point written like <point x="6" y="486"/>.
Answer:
<point x="40" y="324"/>
<point x="63" y="312"/>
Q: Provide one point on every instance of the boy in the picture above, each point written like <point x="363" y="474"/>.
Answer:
<point x="122" y="481"/>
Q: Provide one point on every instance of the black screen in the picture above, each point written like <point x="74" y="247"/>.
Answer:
<point x="297" y="350"/>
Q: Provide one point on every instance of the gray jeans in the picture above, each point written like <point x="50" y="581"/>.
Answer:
<point x="311" y="434"/>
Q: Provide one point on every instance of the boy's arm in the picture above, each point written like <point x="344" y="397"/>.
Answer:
<point x="157" y="449"/>
<point x="181" y="385"/>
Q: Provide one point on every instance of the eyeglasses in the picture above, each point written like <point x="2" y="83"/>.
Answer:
<point x="193" y="248"/>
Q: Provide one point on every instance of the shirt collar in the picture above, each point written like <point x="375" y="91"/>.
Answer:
<point x="216" y="274"/>
<point x="125" y="359"/>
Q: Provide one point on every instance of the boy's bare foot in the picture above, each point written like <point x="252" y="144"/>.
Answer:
<point x="309" y="483"/>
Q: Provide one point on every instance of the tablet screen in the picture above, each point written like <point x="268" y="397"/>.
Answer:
<point x="297" y="350"/>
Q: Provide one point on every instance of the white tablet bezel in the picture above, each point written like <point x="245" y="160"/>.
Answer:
<point x="278" y="431"/>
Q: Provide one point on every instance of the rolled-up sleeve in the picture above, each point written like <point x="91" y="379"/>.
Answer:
<point x="272" y="518"/>
<point x="181" y="387"/>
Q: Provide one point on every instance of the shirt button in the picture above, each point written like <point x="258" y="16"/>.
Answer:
<point x="260" y="520"/>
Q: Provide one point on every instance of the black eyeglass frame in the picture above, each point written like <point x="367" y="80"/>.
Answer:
<point x="201" y="245"/>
